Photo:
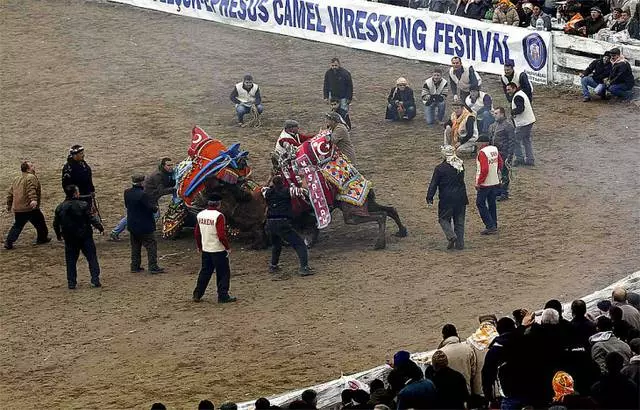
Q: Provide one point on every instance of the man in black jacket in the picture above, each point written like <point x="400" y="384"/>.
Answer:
<point x="621" y="81"/>
<point x="338" y="85"/>
<point x="451" y="386"/>
<point x="401" y="104"/>
<point x="141" y="225"/>
<point x="77" y="172"/>
<point x="448" y="179"/>
<point x="73" y="221"/>
<point x="503" y="137"/>
<point x="279" y="215"/>
<point x="594" y="76"/>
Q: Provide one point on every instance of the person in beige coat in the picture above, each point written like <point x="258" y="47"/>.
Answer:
<point x="340" y="136"/>
<point x="23" y="198"/>
<point x="479" y="342"/>
<point x="460" y="354"/>
<point x="506" y="13"/>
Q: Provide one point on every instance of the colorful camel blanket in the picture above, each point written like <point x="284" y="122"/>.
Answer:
<point x="353" y="188"/>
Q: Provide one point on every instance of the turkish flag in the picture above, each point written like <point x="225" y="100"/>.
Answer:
<point x="198" y="137"/>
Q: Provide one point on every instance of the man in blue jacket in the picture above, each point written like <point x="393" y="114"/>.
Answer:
<point x="141" y="225"/>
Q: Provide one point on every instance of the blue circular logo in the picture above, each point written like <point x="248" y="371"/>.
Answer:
<point x="535" y="51"/>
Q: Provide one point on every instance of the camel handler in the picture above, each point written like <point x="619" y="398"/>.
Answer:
<point x="289" y="139"/>
<point x="461" y="131"/>
<point x="245" y="96"/>
<point x="340" y="136"/>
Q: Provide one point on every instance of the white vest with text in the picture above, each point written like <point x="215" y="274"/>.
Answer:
<point x="492" y="178"/>
<point x="248" y="97"/>
<point x="207" y="223"/>
<point x="526" y="117"/>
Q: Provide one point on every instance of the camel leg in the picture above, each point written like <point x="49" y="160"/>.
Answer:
<point x="375" y="207"/>
<point x="379" y="217"/>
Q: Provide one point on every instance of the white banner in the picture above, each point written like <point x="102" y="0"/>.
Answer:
<point x="399" y="31"/>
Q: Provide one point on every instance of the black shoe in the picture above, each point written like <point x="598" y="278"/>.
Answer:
<point x="305" y="271"/>
<point x="156" y="270"/>
<point x="38" y="242"/>
<point x="459" y="248"/>
<point x="72" y="287"/>
<point x="529" y="164"/>
<point x="196" y="299"/>
<point x="228" y="299"/>
<point x="96" y="284"/>
<point x="503" y="197"/>
<point x="491" y="231"/>
<point x="274" y="268"/>
<point x="8" y="246"/>
<point x="452" y="243"/>
<point x="137" y="270"/>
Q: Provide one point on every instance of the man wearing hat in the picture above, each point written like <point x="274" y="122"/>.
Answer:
<point x="592" y="24"/>
<point x="594" y="77"/>
<point x="77" y="172"/>
<point x="245" y="95"/>
<point x="72" y="222"/>
<point x="620" y="82"/>
<point x="141" y="225"/>
<point x="401" y="104"/>
<point x="340" y="136"/>
<point x="461" y="131"/>
<point x="289" y="139"/>
<point x="212" y="243"/>
<point x="450" y="384"/>
<point x="448" y="180"/>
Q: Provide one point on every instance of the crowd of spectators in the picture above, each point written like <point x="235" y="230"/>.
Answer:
<point x="529" y="360"/>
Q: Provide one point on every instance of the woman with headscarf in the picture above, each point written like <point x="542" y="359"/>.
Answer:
<point x="565" y="394"/>
<point x="448" y="180"/>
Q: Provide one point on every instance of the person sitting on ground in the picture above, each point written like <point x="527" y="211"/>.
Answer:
<point x="583" y="327"/>
<point x="452" y="391"/>
<point x="595" y="75"/>
<point x="310" y="398"/>
<point x="434" y="94"/>
<point x="262" y="404"/>
<point x="340" y="136"/>
<point x="538" y="14"/>
<point x="401" y="105"/>
<point x="461" y="131"/>
<point x="573" y="17"/>
<point x="206" y="405"/>
<point x="604" y="342"/>
<point x="506" y="13"/>
<point x="621" y="328"/>
<point x="632" y="370"/>
<point x="246" y="95"/>
<point x="592" y="24"/>
<point x="460" y="356"/>
<point x="615" y="390"/>
<point x="289" y="140"/>
<point x="620" y="83"/>
<point x="482" y="105"/>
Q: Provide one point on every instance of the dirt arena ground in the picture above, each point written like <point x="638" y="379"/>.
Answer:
<point x="129" y="84"/>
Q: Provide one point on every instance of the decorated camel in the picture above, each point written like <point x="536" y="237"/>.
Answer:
<point x="330" y="180"/>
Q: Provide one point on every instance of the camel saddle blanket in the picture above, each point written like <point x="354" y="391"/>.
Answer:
<point x="353" y="188"/>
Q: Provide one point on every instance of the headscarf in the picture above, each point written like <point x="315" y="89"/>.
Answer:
<point x="481" y="338"/>
<point x="562" y="385"/>
<point x="449" y="154"/>
<point x="402" y="81"/>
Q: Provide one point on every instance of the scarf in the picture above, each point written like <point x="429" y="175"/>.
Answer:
<point x="481" y="338"/>
<point x="449" y="154"/>
<point x="459" y="123"/>
<point x="562" y="386"/>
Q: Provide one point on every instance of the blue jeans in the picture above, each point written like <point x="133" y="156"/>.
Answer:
<point x="486" y="203"/>
<point x="588" y="81"/>
<point x="621" y="90"/>
<point x="392" y="113"/>
<point x="523" y="138"/>
<point x="122" y="225"/>
<point x="485" y="119"/>
<point x="430" y="112"/>
<point x="242" y="110"/>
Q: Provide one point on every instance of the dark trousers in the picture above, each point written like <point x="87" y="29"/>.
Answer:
<point x="280" y="229"/>
<point x="453" y="215"/>
<point x="218" y="262"/>
<point x="486" y="203"/>
<point x="21" y="218"/>
<point x="504" y="190"/>
<point x="147" y="240"/>
<point x="72" y="249"/>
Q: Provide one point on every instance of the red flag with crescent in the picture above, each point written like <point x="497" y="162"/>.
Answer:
<point x="198" y="138"/>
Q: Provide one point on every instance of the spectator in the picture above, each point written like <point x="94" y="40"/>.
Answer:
<point x="503" y="138"/>
<point x="452" y="389"/>
<point x="629" y="313"/>
<point x="566" y="330"/>
<point x="525" y="11"/>
<point x="573" y="17"/>
<point x="632" y="370"/>
<point x="538" y="14"/>
<point x="434" y="94"/>
<point x="262" y="404"/>
<point x="401" y="105"/>
<point x="23" y="198"/>
<point x="310" y="398"/>
<point x="442" y="6"/>
<point x="406" y="367"/>
<point x="461" y="131"/>
<point x="360" y="399"/>
<point x="448" y="180"/>
<point x="521" y="79"/>
<point x="523" y="118"/>
<point x="482" y="105"/>
<point x="229" y="406"/>
<point x="633" y="299"/>
<point x="611" y="18"/>
<point x="604" y="306"/>
<point x="506" y="13"/>
<point x="479" y="342"/>
<point x="246" y="96"/>
<point x="595" y="75"/>
<point x="461" y="79"/>
<point x="473" y="9"/>
<point x="634" y="25"/>
<point x="583" y="327"/>
<point x="338" y="85"/>
<point x="519" y="315"/>
<point x="622" y="22"/>
<point x="615" y="390"/>
<point x="621" y="328"/>
<point x="592" y="24"/>
<point x="417" y="393"/>
<point x="459" y="354"/>
<point x="565" y="394"/>
<point x="207" y="405"/>
<point x="620" y="84"/>
<point x="604" y="342"/>
<point x="379" y="394"/>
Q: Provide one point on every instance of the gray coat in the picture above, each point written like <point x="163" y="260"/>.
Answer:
<point x="629" y="314"/>
<point x="604" y="343"/>
<point x="340" y="137"/>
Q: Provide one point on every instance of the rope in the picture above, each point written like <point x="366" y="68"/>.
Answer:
<point x="255" y="118"/>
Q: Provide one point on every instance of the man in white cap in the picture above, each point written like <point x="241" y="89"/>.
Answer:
<point x="340" y="136"/>
<point x="245" y="96"/>
<point x="401" y="105"/>
<point x="448" y="180"/>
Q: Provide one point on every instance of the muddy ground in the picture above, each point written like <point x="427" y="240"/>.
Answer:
<point x="129" y="84"/>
